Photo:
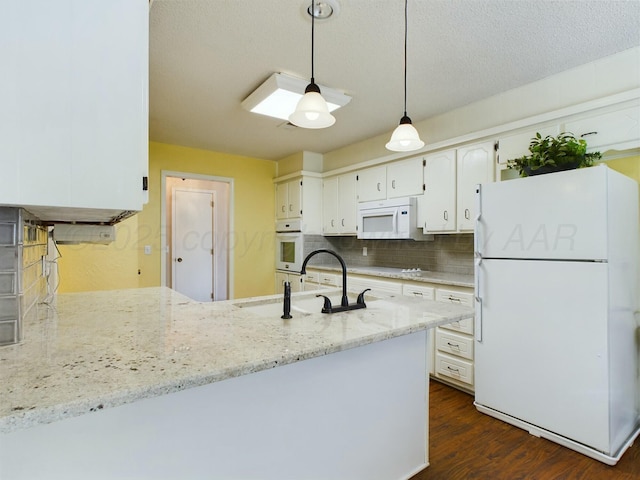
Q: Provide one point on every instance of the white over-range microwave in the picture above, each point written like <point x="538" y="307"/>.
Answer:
<point x="388" y="219"/>
<point x="289" y="246"/>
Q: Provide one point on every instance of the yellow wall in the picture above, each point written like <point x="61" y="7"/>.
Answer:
<point x="630" y="166"/>
<point x="95" y="267"/>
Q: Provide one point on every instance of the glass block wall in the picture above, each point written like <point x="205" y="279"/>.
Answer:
<point x="23" y="249"/>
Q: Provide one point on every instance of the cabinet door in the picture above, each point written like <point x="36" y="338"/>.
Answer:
<point x="439" y="202"/>
<point x="281" y="277"/>
<point x="372" y="184"/>
<point x="294" y="198"/>
<point x="404" y="178"/>
<point x="618" y="130"/>
<point x="282" y="202"/>
<point x="347" y="205"/>
<point x="515" y="146"/>
<point x="330" y="206"/>
<point x="73" y="128"/>
<point x="475" y="165"/>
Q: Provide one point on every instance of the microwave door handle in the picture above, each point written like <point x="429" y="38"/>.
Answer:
<point x="395" y="220"/>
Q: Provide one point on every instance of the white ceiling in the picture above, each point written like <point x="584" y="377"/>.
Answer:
<point x="206" y="56"/>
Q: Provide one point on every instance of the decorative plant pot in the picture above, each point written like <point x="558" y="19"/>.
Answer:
<point x="551" y="168"/>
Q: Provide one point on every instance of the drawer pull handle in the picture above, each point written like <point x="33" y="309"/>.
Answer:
<point x="588" y="133"/>
<point x="417" y="294"/>
<point x="453" y="369"/>
<point x="453" y="345"/>
<point x="454" y="299"/>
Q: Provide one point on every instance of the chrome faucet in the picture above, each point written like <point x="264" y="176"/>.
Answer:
<point x="344" y="303"/>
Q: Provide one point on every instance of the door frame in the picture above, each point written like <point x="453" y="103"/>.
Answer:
<point x="164" y="222"/>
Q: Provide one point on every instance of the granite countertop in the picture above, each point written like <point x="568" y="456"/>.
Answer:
<point x="426" y="276"/>
<point x="90" y="351"/>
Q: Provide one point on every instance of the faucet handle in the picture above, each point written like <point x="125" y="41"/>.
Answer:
<point x="327" y="308"/>
<point x="360" y="300"/>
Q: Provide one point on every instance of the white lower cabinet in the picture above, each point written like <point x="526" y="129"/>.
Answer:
<point x="296" y="280"/>
<point x="450" y="347"/>
<point x="454" y="358"/>
<point x="379" y="288"/>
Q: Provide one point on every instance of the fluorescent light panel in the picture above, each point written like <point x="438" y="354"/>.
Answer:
<point x="279" y="94"/>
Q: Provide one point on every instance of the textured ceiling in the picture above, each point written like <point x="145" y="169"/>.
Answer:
<point x="206" y="56"/>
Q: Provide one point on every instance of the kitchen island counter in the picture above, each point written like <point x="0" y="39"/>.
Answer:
<point x="147" y="353"/>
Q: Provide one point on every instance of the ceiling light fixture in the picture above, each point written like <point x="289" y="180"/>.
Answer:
<point x="280" y="93"/>
<point x="312" y="110"/>
<point x="405" y="137"/>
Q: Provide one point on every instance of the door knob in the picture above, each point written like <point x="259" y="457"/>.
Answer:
<point x="179" y="259"/>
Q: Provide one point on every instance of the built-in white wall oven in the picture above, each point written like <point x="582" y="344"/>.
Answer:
<point x="289" y="246"/>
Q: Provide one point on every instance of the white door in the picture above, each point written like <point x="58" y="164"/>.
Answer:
<point x="544" y="348"/>
<point x="475" y="165"/>
<point x="192" y="243"/>
<point x="562" y="215"/>
<point x="439" y="210"/>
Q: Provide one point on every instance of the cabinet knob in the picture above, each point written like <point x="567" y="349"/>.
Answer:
<point x="179" y="259"/>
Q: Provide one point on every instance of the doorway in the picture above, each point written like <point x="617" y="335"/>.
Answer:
<point x="197" y="221"/>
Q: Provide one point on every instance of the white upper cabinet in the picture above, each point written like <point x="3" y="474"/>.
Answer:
<point x="372" y="184"/>
<point x="437" y="212"/>
<point x="289" y="199"/>
<point x="398" y="179"/>
<point x="618" y="130"/>
<point x="339" y="205"/>
<point x="404" y="178"/>
<point x="517" y="145"/>
<point x="475" y="165"/>
<point x="74" y="116"/>
<point x="301" y="198"/>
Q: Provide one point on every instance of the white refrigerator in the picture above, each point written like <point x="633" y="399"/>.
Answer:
<point x="556" y="272"/>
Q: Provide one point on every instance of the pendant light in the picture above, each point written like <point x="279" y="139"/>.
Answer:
<point x="312" y="111"/>
<point x="405" y="137"/>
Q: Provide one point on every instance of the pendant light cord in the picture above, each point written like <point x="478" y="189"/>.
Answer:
<point x="405" y="58"/>
<point x="313" y="16"/>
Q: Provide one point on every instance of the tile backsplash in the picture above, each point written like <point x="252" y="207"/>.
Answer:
<point x="446" y="253"/>
<point x="23" y="247"/>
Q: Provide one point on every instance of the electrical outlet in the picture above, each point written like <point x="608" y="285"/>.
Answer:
<point x="147" y="249"/>
<point x="364" y="251"/>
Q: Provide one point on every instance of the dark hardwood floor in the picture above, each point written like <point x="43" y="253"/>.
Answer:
<point x="466" y="444"/>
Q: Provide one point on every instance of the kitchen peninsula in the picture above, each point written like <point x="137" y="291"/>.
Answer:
<point x="146" y="383"/>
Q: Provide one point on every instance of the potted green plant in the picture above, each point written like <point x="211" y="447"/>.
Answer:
<point x="554" y="154"/>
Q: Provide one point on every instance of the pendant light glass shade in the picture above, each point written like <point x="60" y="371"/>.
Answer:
<point x="312" y="110"/>
<point x="405" y="137"/>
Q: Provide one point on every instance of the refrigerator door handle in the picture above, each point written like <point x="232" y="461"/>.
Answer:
<point x="476" y="228"/>
<point x="478" y="299"/>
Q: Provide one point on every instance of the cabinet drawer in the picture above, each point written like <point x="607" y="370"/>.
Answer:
<point x="454" y="368"/>
<point x="428" y="293"/>
<point x="312" y="277"/>
<point x="378" y="287"/>
<point x="451" y="296"/>
<point x="329" y="279"/>
<point x="454" y="344"/>
<point x="462" y="326"/>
